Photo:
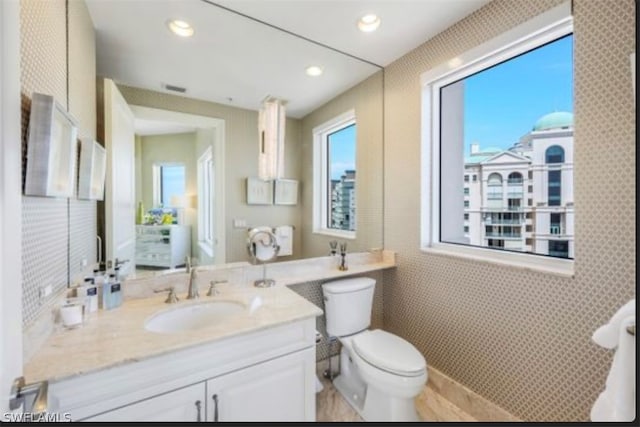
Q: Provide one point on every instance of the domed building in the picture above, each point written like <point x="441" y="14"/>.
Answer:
<point x="521" y="199"/>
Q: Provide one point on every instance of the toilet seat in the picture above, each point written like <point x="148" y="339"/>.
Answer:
<point x="389" y="353"/>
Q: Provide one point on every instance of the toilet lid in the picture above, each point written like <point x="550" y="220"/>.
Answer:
<point x="389" y="352"/>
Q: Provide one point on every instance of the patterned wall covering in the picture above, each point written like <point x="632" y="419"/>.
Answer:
<point x="49" y="244"/>
<point x="519" y="338"/>
<point x="366" y="99"/>
<point x="312" y="291"/>
<point x="241" y="151"/>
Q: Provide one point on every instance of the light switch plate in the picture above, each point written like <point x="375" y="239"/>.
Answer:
<point x="240" y="223"/>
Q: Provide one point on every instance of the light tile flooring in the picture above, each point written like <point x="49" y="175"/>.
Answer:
<point x="431" y="406"/>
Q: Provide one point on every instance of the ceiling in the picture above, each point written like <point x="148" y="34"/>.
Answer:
<point x="235" y="59"/>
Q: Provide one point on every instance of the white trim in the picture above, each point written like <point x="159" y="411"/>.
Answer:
<point x="219" y="142"/>
<point x="205" y="240"/>
<point x="544" y="28"/>
<point x="320" y="174"/>
<point x="10" y="200"/>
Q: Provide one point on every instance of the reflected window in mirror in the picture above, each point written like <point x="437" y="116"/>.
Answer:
<point x="335" y="176"/>
<point x="168" y="184"/>
<point x="206" y="237"/>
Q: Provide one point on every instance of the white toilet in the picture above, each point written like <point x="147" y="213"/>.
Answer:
<point x="380" y="373"/>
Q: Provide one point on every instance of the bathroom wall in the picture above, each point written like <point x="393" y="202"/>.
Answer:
<point x="241" y="161"/>
<point x="520" y="338"/>
<point x="366" y="99"/>
<point x="57" y="58"/>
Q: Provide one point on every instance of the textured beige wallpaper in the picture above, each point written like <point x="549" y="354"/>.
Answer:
<point x="521" y="339"/>
<point x="57" y="234"/>
<point x="366" y="99"/>
<point x="241" y="161"/>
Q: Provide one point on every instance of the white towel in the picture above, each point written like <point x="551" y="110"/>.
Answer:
<point x="617" y="401"/>
<point x="607" y="335"/>
<point x="284" y="236"/>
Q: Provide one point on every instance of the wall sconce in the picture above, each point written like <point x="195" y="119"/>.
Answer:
<point x="271" y="125"/>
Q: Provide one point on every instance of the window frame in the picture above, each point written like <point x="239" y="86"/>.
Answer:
<point x="157" y="181"/>
<point x="321" y="192"/>
<point x="544" y="28"/>
<point x="206" y="208"/>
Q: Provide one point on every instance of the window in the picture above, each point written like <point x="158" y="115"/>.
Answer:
<point x="466" y="203"/>
<point x="335" y="193"/>
<point x="555" y="223"/>
<point x="206" y="239"/>
<point x="168" y="184"/>
<point x="466" y="216"/>
<point x="466" y="178"/>
<point x="559" y="248"/>
<point x="467" y="100"/>
<point x="466" y="191"/>
<point x="555" y="187"/>
<point x="554" y="154"/>
<point x="466" y="228"/>
<point x="475" y="177"/>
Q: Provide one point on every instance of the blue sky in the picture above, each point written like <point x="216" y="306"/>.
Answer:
<point x="503" y="103"/>
<point x="342" y="151"/>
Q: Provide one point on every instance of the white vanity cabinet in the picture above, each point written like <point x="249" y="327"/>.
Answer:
<point x="185" y="404"/>
<point x="264" y="375"/>
<point x="270" y="391"/>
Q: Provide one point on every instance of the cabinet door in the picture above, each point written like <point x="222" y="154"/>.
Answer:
<point x="281" y="389"/>
<point x="185" y="404"/>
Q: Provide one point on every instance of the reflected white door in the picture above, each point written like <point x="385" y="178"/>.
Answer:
<point x="119" y="135"/>
<point x="10" y="203"/>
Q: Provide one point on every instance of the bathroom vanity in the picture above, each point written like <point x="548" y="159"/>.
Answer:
<point x="257" y="364"/>
<point x="242" y="354"/>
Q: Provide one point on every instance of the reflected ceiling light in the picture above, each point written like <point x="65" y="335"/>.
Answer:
<point x="314" y="71"/>
<point x="369" y="23"/>
<point x="180" y="28"/>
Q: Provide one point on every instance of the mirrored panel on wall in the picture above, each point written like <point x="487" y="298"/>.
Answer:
<point x="195" y="99"/>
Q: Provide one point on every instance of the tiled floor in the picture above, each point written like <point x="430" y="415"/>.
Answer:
<point x="331" y="406"/>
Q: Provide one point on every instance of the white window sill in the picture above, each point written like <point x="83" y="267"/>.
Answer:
<point x="540" y="264"/>
<point x="336" y="233"/>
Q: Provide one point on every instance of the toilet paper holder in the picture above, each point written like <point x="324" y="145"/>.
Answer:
<point x="631" y="329"/>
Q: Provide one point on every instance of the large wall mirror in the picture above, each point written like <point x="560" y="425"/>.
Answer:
<point x="193" y="143"/>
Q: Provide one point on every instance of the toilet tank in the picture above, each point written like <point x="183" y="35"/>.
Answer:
<point x="347" y="305"/>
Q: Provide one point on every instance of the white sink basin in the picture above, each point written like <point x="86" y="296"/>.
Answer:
<point x="190" y="317"/>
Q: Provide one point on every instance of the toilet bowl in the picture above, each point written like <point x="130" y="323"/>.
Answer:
<point x="380" y="373"/>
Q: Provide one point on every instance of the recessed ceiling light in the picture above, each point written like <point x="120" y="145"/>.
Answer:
<point x="368" y="23"/>
<point x="314" y="71"/>
<point x="180" y="28"/>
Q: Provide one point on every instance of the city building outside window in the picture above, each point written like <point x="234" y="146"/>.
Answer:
<point x="335" y="191"/>
<point x="519" y="146"/>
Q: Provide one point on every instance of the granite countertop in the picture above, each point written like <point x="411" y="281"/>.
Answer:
<point x="116" y="337"/>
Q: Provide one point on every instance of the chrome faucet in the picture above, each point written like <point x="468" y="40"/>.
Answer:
<point x="193" y="286"/>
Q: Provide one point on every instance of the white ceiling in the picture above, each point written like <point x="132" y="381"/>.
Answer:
<point x="237" y="61"/>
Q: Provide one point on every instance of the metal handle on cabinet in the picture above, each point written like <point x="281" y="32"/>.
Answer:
<point x="215" y="408"/>
<point x="199" y="407"/>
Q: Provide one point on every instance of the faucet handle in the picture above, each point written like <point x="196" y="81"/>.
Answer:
<point x="172" y="297"/>
<point x="212" y="287"/>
